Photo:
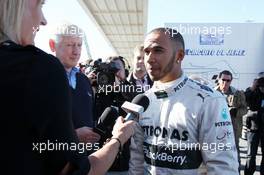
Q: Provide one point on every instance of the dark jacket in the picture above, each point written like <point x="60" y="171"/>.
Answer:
<point x="132" y="80"/>
<point x="255" y="120"/>
<point x="82" y="102"/>
<point x="36" y="103"/>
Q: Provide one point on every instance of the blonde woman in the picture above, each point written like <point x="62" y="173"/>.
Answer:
<point x="40" y="138"/>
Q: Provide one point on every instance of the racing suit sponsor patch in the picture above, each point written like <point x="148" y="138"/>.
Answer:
<point x="224" y="114"/>
<point x="170" y="91"/>
<point x="222" y="124"/>
<point x="165" y="133"/>
<point x="163" y="156"/>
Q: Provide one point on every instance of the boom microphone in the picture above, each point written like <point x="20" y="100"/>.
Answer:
<point x="138" y="105"/>
<point x="106" y="121"/>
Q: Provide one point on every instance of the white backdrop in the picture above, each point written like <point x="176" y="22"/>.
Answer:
<point x="213" y="47"/>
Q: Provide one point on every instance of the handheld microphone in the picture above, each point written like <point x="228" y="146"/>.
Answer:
<point x="106" y="120"/>
<point x="138" y="105"/>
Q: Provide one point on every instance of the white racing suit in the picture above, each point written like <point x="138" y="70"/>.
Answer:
<point x="186" y="123"/>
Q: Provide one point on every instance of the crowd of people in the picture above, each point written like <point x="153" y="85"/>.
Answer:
<point x="51" y="102"/>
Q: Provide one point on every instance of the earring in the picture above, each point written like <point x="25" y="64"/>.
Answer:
<point x="178" y="61"/>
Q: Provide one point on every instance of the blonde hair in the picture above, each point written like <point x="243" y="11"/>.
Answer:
<point x="138" y="48"/>
<point x="11" y="14"/>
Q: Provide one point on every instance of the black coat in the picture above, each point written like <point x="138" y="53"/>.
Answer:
<point x="36" y="109"/>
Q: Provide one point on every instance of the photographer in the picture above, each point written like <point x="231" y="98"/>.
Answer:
<point x="255" y="124"/>
<point x="37" y="106"/>
<point x="110" y="82"/>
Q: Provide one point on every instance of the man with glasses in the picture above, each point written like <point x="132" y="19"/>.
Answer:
<point x="236" y="102"/>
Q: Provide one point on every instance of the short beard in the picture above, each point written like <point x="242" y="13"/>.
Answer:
<point x="170" y="65"/>
<point x="167" y="69"/>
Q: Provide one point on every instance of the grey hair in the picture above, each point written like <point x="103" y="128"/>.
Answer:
<point x="67" y="29"/>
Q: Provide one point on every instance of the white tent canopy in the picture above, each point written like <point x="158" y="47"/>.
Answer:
<point x="123" y="23"/>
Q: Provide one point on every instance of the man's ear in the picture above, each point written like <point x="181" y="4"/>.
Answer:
<point x="180" y="55"/>
<point x="52" y="45"/>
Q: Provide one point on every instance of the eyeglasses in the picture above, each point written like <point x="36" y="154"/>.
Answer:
<point x="227" y="80"/>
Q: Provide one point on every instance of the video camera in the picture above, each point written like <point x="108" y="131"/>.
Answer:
<point x="105" y="72"/>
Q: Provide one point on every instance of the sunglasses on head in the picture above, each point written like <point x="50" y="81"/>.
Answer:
<point x="227" y="80"/>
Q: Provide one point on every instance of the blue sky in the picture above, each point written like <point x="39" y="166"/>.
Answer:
<point x="176" y="11"/>
<point x="159" y="12"/>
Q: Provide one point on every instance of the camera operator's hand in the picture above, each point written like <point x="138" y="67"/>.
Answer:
<point x="123" y="130"/>
<point x="91" y="75"/>
<point x="86" y="135"/>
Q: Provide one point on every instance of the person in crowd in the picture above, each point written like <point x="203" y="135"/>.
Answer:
<point x="82" y="68"/>
<point x="255" y="124"/>
<point x="236" y="101"/>
<point x="139" y="76"/>
<point x="37" y="108"/>
<point x="111" y="93"/>
<point x="115" y="96"/>
<point x="67" y="45"/>
<point x="184" y="119"/>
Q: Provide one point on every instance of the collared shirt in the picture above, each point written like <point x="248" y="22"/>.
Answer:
<point x="142" y="82"/>
<point x="72" y="77"/>
<point x="229" y="94"/>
